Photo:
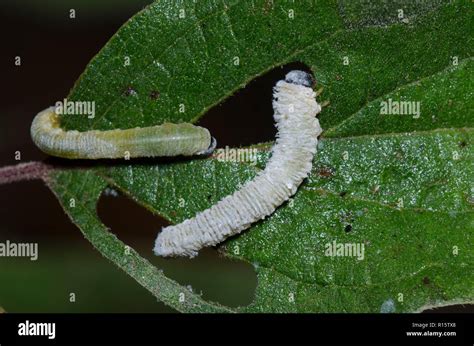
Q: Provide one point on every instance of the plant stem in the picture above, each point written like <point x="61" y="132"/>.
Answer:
<point x="24" y="171"/>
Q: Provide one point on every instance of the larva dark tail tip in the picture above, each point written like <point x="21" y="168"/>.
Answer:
<point x="211" y="148"/>
<point x="299" y="77"/>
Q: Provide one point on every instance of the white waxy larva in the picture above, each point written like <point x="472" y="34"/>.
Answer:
<point x="161" y="140"/>
<point x="295" y="110"/>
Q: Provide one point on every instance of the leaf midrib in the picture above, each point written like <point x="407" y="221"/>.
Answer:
<point x="169" y="218"/>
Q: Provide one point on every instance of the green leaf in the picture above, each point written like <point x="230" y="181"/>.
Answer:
<point x="398" y="184"/>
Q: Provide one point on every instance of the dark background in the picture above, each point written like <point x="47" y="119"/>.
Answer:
<point x="55" y="50"/>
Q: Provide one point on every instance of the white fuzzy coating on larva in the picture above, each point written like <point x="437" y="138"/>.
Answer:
<point x="295" y="110"/>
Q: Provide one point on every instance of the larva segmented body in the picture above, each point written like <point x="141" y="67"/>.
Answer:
<point x="295" y="110"/>
<point x="161" y="140"/>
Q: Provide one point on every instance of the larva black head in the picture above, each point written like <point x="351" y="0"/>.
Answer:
<point x="299" y="78"/>
<point x="211" y="148"/>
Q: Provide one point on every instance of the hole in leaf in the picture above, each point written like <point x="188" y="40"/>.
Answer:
<point x="228" y="282"/>
<point x="246" y="117"/>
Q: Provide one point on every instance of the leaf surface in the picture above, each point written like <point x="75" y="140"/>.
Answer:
<point x="398" y="184"/>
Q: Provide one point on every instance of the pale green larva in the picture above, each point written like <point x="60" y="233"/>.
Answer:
<point x="161" y="140"/>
